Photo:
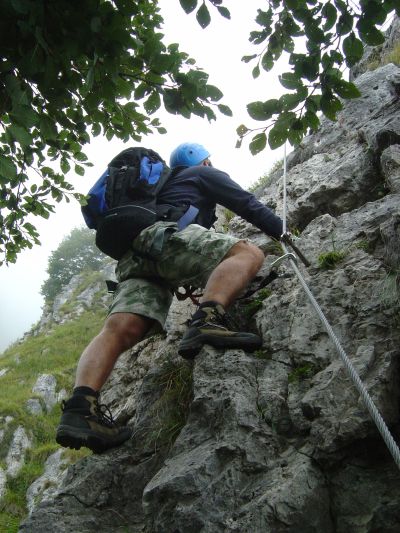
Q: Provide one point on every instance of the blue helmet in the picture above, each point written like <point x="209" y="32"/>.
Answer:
<point x="188" y="155"/>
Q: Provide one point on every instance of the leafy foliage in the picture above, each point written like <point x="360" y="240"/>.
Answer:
<point x="66" y="73"/>
<point x="77" y="252"/>
<point x="334" y="34"/>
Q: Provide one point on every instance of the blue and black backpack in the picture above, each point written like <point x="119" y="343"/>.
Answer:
<point x="123" y="201"/>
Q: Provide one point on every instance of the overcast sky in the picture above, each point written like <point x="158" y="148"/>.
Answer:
<point x="218" y="49"/>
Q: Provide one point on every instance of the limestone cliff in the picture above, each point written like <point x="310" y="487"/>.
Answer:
<point x="277" y="441"/>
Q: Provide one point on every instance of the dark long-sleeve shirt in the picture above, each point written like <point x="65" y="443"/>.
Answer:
<point x="204" y="187"/>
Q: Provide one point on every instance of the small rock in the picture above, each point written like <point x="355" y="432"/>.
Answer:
<point x="3" y="371"/>
<point x="62" y="395"/>
<point x="34" y="407"/>
<point x="48" y="483"/>
<point x="45" y="387"/>
<point x="16" y="453"/>
<point x="3" y="481"/>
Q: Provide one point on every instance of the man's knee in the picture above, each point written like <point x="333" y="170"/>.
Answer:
<point x="253" y="253"/>
<point x="129" y="328"/>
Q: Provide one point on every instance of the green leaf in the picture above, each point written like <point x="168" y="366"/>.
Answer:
<point x="152" y="103"/>
<point x="258" y="37"/>
<point x="224" y="12"/>
<point x="7" y="168"/>
<point x="302" y="14"/>
<point x="258" y="143"/>
<point x="346" y="89"/>
<point x="79" y="170"/>
<point x="289" y="80"/>
<point x="311" y="120"/>
<point x="213" y="93"/>
<point x="256" y="72"/>
<point x="96" y="129"/>
<point x="374" y="12"/>
<point x="314" y="33"/>
<point x="296" y="133"/>
<point x="289" y="101"/>
<point x="21" y="135"/>
<point x="80" y="156"/>
<point x="344" y="24"/>
<point x="25" y="116"/>
<point x="330" y="14"/>
<point x="247" y="59"/>
<point x="47" y="128"/>
<point x="65" y="166"/>
<point x="263" y="110"/>
<point x="242" y="130"/>
<point x="353" y="49"/>
<point x="372" y="36"/>
<point x="264" y="18"/>
<point x="277" y="137"/>
<point x="188" y="5"/>
<point x="313" y="103"/>
<point x="225" y="110"/>
<point x="330" y="105"/>
<point x="267" y="61"/>
<point x="203" y="16"/>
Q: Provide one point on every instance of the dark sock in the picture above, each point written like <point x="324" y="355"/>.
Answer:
<point x="85" y="391"/>
<point x="210" y="303"/>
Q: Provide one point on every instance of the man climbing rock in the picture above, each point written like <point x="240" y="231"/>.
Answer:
<point x="195" y="256"/>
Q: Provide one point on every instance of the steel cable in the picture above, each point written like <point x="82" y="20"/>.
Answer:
<point x="368" y="402"/>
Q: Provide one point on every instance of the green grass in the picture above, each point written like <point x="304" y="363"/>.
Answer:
<point x="256" y="304"/>
<point x="55" y="352"/>
<point x="390" y="290"/>
<point x="266" y="178"/>
<point x="392" y="56"/>
<point x="262" y="354"/>
<point x="172" y="408"/>
<point x="302" y="372"/>
<point x="329" y="260"/>
<point x="228" y="216"/>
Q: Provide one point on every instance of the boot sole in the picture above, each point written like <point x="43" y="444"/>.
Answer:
<point x="69" y="437"/>
<point x="189" y="349"/>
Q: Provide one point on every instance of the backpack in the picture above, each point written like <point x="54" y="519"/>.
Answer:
<point x="123" y="200"/>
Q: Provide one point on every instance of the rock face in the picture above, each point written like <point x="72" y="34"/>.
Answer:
<point x="279" y="440"/>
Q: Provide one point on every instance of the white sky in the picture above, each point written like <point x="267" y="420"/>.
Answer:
<point x="218" y="50"/>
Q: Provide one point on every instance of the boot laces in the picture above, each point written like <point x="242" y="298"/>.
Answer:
<point x="217" y="319"/>
<point x="104" y="415"/>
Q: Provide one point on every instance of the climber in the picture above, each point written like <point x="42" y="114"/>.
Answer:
<point x="198" y="256"/>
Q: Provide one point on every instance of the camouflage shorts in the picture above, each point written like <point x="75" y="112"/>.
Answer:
<point x="164" y="259"/>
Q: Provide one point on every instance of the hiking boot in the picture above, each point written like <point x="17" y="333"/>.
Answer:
<point x="85" y="422"/>
<point x="209" y="326"/>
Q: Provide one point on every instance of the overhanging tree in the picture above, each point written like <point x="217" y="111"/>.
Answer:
<point x="334" y="34"/>
<point x="69" y="70"/>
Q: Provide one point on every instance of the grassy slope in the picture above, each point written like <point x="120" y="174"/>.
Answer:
<point x="55" y="352"/>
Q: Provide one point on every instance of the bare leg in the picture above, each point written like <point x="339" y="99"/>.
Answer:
<point x="233" y="274"/>
<point x="120" y="332"/>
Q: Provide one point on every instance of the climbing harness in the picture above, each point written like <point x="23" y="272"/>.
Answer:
<point x="190" y="292"/>
<point x="372" y="409"/>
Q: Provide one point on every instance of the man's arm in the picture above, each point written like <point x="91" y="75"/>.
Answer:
<point x="225" y="191"/>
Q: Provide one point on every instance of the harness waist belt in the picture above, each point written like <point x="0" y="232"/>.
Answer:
<point x="187" y="218"/>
